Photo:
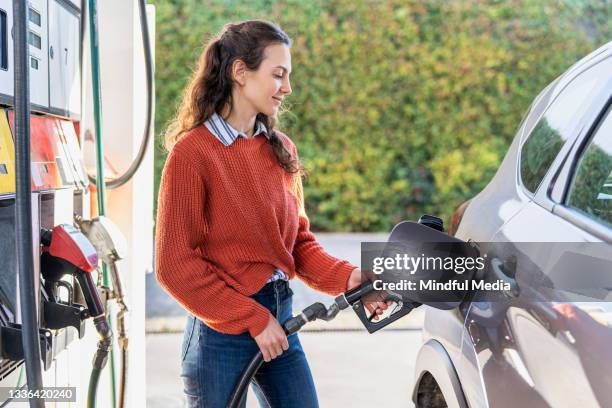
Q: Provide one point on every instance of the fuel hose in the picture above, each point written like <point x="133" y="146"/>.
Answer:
<point x="100" y="185"/>
<point x="148" y="58"/>
<point x="23" y="213"/>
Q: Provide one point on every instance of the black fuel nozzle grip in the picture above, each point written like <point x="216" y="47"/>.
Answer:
<point x="354" y="295"/>
<point x="90" y="293"/>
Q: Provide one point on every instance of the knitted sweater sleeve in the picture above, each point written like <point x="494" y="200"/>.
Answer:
<point x="314" y="266"/>
<point x="179" y="267"/>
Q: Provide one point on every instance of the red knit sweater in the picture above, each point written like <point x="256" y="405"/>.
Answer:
<point x="227" y="216"/>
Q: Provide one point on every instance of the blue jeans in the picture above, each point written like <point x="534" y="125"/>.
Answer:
<point x="212" y="361"/>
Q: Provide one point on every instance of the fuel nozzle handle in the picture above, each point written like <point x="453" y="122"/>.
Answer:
<point x="354" y="295"/>
<point x="90" y="293"/>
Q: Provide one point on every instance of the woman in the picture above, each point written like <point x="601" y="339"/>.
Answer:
<point x="231" y="226"/>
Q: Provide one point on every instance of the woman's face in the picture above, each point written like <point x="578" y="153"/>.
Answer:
<point x="266" y="87"/>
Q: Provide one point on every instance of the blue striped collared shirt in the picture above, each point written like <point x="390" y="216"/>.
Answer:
<point x="227" y="135"/>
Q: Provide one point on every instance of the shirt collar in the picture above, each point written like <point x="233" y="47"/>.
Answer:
<point x="227" y="134"/>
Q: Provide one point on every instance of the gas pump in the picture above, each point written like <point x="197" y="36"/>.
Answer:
<point x="51" y="236"/>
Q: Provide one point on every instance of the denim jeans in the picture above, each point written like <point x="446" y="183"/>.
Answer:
<point x="212" y="361"/>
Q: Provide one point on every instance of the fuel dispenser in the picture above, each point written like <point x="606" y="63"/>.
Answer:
<point x="52" y="233"/>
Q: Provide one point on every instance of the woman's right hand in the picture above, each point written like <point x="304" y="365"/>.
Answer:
<point x="272" y="341"/>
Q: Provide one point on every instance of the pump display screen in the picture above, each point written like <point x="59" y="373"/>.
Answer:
<point x="34" y="40"/>
<point x="35" y="17"/>
<point x="3" y="41"/>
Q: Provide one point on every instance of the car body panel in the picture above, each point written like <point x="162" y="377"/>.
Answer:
<point x="505" y="355"/>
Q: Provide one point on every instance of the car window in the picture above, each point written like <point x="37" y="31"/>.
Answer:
<point x="561" y="120"/>
<point x="591" y="189"/>
<point x="538" y="106"/>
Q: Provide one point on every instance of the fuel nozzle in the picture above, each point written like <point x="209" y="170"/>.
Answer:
<point x="67" y="251"/>
<point x="357" y="297"/>
<point x="111" y="246"/>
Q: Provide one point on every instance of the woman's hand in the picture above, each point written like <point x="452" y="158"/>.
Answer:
<point x="272" y="341"/>
<point x="354" y="280"/>
<point x="378" y="306"/>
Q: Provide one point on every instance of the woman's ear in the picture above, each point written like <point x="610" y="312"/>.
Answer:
<point x="239" y="72"/>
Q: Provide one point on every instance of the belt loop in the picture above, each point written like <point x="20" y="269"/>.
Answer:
<point x="280" y="284"/>
<point x="277" y="298"/>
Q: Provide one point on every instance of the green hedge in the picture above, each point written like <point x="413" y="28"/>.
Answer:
<point x="399" y="107"/>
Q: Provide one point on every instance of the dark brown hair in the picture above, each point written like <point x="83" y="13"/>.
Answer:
<point x="210" y="87"/>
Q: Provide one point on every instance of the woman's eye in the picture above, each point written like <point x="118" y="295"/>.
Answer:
<point x="278" y="76"/>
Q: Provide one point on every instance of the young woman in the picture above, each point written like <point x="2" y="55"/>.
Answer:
<point x="231" y="225"/>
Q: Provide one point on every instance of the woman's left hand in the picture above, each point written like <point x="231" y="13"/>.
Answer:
<point x="379" y="306"/>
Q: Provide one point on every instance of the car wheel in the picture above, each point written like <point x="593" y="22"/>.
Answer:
<point x="429" y="394"/>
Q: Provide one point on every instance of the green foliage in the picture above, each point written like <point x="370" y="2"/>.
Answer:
<point x="399" y="107"/>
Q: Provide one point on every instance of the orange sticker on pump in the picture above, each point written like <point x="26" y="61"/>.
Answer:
<point x="7" y="156"/>
<point x="45" y="170"/>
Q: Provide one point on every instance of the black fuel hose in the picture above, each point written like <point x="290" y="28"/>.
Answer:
<point x="23" y="206"/>
<point x="293" y="325"/>
<point x="123" y="378"/>
<point x="245" y="379"/>
<point x="100" y="358"/>
<point x="94" y="379"/>
<point x="146" y="45"/>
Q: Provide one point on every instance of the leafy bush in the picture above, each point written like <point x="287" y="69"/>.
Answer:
<point x="399" y="107"/>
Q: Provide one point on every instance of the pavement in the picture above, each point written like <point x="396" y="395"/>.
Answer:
<point x="349" y="366"/>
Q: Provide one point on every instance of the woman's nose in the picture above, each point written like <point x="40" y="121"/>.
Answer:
<point x="286" y="88"/>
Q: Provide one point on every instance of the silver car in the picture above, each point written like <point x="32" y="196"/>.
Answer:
<point x="554" y="185"/>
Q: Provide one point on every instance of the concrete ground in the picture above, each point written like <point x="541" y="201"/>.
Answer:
<point x="353" y="369"/>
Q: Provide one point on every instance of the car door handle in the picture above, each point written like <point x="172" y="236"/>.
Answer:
<point x="497" y="269"/>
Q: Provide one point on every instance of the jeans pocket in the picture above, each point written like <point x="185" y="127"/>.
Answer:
<point x="188" y="335"/>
